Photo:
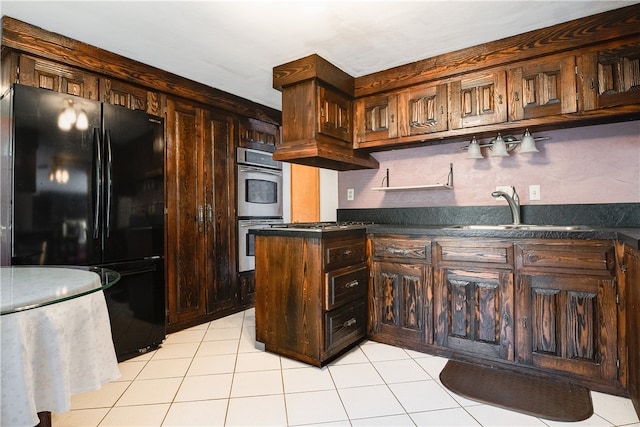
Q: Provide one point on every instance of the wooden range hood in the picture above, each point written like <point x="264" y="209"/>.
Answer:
<point x="317" y="117"/>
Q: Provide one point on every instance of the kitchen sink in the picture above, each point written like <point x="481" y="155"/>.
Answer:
<point x="526" y="227"/>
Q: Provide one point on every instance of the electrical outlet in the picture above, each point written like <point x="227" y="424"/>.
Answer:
<point x="350" y="193"/>
<point x="505" y="188"/>
<point x="534" y="192"/>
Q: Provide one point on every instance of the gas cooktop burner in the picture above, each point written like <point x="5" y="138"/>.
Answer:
<point x="322" y="226"/>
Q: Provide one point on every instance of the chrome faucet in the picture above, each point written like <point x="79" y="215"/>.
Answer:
<point x="514" y="204"/>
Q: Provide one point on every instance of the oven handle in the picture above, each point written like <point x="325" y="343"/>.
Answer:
<point x="261" y="170"/>
<point x="254" y="223"/>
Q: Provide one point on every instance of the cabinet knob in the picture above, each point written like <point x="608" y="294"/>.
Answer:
<point x="517" y="96"/>
<point x="351" y="284"/>
<point x="499" y="99"/>
<point x="523" y="321"/>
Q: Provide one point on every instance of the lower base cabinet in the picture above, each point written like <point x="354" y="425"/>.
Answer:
<point x="549" y="307"/>
<point x="567" y="312"/>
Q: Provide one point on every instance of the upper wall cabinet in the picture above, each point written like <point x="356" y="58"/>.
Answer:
<point x="57" y="77"/>
<point x="611" y="77"/>
<point x="423" y="109"/>
<point x="577" y="73"/>
<point x="479" y="99"/>
<point x="258" y="135"/>
<point x="544" y="87"/>
<point x="375" y="118"/>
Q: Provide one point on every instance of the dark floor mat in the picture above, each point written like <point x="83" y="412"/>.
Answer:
<point x="540" y="397"/>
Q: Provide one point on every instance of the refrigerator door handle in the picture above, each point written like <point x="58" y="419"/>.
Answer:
<point x="98" y="182"/>
<point x="109" y="181"/>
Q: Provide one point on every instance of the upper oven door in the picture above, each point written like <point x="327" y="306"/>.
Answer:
<point x="259" y="192"/>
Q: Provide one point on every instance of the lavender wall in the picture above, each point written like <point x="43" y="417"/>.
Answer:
<point x="594" y="164"/>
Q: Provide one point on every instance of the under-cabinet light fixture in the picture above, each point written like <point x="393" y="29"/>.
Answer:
<point x="501" y="146"/>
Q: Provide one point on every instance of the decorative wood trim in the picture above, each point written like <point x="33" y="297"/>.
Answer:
<point x="572" y="35"/>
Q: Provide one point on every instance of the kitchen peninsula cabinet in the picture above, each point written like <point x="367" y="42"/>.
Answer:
<point x="401" y="291"/>
<point x="567" y="308"/>
<point x="311" y="293"/>
<point x="473" y="297"/>
<point x="199" y="217"/>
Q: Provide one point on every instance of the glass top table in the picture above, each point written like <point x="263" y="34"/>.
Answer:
<point x="28" y="287"/>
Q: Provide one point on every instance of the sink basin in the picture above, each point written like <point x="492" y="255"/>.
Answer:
<point x="527" y="227"/>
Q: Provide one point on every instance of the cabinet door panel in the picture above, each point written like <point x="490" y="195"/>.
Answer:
<point x="543" y="88"/>
<point x="402" y="300"/>
<point x="479" y="99"/>
<point x="611" y="77"/>
<point x="475" y="311"/>
<point x="217" y="176"/>
<point x="56" y="77"/>
<point x="568" y="323"/>
<point x="186" y="293"/>
<point x="423" y="109"/>
<point x="335" y="115"/>
<point x="376" y="118"/>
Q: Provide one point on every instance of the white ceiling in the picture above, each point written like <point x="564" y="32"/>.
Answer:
<point x="234" y="45"/>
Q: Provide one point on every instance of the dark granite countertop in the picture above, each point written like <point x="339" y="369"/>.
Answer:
<point x="630" y="236"/>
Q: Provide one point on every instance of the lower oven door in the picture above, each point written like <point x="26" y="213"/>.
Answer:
<point x="246" y="241"/>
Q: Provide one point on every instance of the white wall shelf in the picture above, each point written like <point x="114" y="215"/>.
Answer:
<point x="447" y="186"/>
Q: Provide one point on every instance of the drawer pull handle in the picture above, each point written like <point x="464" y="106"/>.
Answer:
<point x="398" y="251"/>
<point x="349" y="322"/>
<point x="351" y="284"/>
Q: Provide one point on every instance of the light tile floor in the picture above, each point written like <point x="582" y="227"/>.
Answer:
<point x="214" y="375"/>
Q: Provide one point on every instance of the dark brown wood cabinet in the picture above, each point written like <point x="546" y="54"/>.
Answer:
<point x="609" y="76"/>
<point x="257" y="134"/>
<point x="478" y="99"/>
<point x="543" y="87"/>
<point x="311" y="293"/>
<point x="401" y="291"/>
<point x="567" y="309"/>
<point x="473" y="297"/>
<point x="200" y="215"/>
<point x="423" y="109"/>
<point x="375" y="118"/>
<point x="317" y="116"/>
<point x="630" y="269"/>
<point x="577" y="73"/>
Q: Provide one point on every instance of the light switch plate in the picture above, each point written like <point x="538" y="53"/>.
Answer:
<point x="350" y="193"/>
<point x="534" y="192"/>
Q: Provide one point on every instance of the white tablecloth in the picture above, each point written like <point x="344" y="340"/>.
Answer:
<point x="52" y="352"/>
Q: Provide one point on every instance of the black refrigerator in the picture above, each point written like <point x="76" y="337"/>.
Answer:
<point x="87" y="188"/>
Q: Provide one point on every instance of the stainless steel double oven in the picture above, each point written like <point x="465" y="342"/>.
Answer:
<point x="259" y="199"/>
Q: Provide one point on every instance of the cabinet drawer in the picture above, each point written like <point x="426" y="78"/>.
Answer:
<point x="567" y="256"/>
<point x="346" y="284"/>
<point x="494" y="253"/>
<point x="345" y="325"/>
<point x="406" y="248"/>
<point x="344" y="252"/>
